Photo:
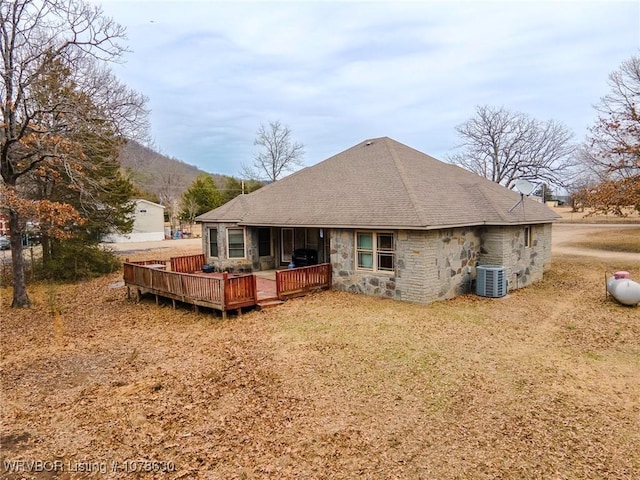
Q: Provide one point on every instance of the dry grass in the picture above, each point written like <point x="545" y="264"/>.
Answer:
<point x="614" y="240"/>
<point x="543" y="383"/>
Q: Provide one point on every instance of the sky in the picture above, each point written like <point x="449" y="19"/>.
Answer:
<point x="340" y="72"/>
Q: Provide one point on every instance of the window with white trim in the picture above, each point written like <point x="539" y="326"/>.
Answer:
<point x="375" y="251"/>
<point x="235" y="241"/>
<point x="528" y="237"/>
<point x="213" y="242"/>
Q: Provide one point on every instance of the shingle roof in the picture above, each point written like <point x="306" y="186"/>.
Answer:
<point x="381" y="183"/>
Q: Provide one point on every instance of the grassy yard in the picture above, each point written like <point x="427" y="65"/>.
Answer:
<point x="615" y="240"/>
<point x="544" y="383"/>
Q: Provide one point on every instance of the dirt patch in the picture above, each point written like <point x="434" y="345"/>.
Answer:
<point x="596" y="241"/>
<point x="13" y="442"/>
<point x="173" y="248"/>
<point x="540" y="384"/>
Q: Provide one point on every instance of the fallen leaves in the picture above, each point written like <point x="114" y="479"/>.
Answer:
<point x="329" y="386"/>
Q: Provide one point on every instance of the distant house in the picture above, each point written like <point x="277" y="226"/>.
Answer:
<point x="392" y="222"/>
<point x="148" y="224"/>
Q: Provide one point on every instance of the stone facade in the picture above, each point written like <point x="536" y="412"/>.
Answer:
<point x="439" y="264"/>
<point x="506" y="246"/>
<point x="251" y="260"/>
<point x="430" y="265"/>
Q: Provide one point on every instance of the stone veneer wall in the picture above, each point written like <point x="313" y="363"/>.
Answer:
<point x="222" y="262"/>
<point x="457" y="254"/>
<point x="430" y="265"/>
<point x="505" y="246"/>
<point x="439" y="264"/>
<point x="345" y="277"/>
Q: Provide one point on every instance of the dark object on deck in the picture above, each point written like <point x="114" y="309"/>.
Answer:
<point x="208" y="268"/>
<point x="304" y="257"/>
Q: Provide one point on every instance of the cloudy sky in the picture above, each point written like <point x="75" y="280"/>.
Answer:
<point x="340" y="72"/>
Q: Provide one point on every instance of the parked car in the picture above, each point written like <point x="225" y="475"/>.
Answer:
<point x="4" y="243"/>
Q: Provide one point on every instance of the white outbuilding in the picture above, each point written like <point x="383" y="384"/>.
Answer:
<point x="148" y="224"/>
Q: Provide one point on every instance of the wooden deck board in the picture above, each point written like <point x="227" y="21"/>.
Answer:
<point x="223" y="291"/>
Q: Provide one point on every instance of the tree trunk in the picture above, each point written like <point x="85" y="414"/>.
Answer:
<point x="20" y="297"/>
<point x="45" y="241"/>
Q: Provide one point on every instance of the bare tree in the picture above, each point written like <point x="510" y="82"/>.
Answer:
<point x="505" y="146"/>
<point x="612" y="149"/>
<point x="614" y="141"/>
<point x="190" y="209"/>
<point x="279" y="154"/>
<point x="170" y="185"/>
<point x="37" y="37"/>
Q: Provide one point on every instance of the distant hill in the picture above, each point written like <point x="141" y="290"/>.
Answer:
<point x="157" y="174"/>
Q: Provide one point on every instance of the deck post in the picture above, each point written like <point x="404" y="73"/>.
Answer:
<point x="225" y="276"/>
<point x="225" y="292"/>
<point x="255" y="287"/>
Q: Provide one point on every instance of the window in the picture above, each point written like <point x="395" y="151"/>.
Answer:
<point x="213" y="242"/>
<point x="528" y="237"/>
<point x="365" y="250"/>
<point x="235" y="238"/>
<point x="264" y="242"/>
<point x="386" y="252"/>
<point x="375" y="251"/>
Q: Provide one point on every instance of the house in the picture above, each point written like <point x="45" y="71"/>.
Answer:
<point x="392" y="221"/>
<point x="148" y="224"/>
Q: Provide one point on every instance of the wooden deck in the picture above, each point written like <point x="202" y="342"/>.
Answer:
<point x="187" y="263"/>
<point x="302" y="281"/>
<point x="220" y="291"/>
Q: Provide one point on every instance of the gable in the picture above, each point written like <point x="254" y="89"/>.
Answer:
<point x="142" y="203"/>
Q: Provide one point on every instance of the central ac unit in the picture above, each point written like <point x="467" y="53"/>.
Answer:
<point x="491" y="281"/>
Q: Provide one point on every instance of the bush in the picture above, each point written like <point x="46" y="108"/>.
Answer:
<point x="74" y="262"/>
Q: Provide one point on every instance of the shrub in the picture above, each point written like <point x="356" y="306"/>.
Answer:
<point x="74" y="261"/>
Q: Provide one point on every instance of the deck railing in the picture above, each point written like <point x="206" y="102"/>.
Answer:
<point x="194" y="289"/>
<point x="146" y="262"/>
<point x="187" y="263"/>
<point x="223" y="292"/>
<point x="303" y="280"/>
<point x="240" y="291"/>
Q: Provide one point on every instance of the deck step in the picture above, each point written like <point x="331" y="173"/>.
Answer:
<point x="268" y="303"/>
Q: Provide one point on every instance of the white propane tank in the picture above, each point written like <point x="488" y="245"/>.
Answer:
<point x="623" y="289"/>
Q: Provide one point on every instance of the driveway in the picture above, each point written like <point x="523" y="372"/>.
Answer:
<point x="177" y="245"/>
<point x="564" y="234"/>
